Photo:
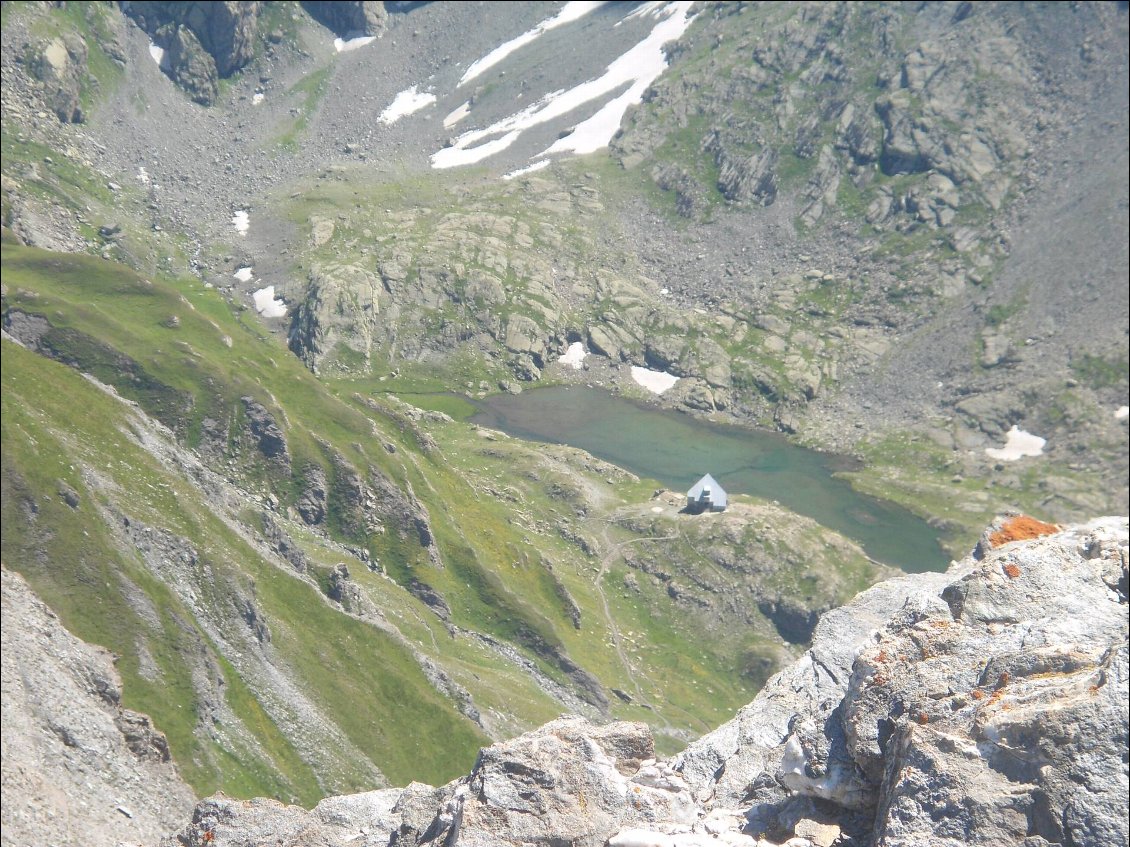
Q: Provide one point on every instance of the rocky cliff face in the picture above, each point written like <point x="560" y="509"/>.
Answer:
<point x="205" y="41"/>
<point x="91" y="771"/>
<point x="986" y="705"/>
<point x="352" y="18"/>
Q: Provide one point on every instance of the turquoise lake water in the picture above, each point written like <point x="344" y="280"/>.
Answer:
<point x="677" y="449"/>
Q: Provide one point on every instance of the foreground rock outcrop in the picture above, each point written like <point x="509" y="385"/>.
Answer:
<point x="985" y="705"/>
<point x="86" y="770"/>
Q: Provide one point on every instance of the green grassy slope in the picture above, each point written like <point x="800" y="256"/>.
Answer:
<point x="167" y="560"/>
<point x="59" y="427"/>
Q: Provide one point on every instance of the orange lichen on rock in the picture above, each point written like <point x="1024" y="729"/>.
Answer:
<point x="1020" y="528"/>
<point x="1012" y="570"/>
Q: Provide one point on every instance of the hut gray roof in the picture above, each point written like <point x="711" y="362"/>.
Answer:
<point x="707" y="493"/>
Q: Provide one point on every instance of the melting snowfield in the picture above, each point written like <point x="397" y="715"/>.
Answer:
<point x="241" y="221"/>
<point x="642" y="65"/>
<point x="405" y="103"/>
<point x="637" y="69"/>
<point x="158" y="54"/>
<point x="529" y="169"/>
<point x="654" y="381"/>
<point x="571" y="12"/>
<point x="352" y="42"/>
<point x="243" y="274"/>
<point x="574" y="357"/>
<point x="457" y="115"/>
<point x="267" y="305"/>
<point x="1018" y="444"/>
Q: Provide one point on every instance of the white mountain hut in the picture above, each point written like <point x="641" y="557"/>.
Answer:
<point x="706" y="495"/>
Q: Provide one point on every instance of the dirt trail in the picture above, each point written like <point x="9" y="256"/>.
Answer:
<point x="613" y="549"/>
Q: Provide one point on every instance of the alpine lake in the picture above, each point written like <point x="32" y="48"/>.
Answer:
<point x="676" y="449"/>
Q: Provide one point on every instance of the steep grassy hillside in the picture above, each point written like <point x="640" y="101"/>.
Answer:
<point x="310" y="593"/>
<point x="145" y="565"/>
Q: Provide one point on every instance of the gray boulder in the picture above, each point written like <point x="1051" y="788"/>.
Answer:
<point x="567" y="782"/>
<point x="188" y="64"/>
<point x="349" y="17"/>
<point x="60" y="64"/>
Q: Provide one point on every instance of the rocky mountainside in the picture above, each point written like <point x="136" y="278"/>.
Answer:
<point x="986" y="705"/>
<point x="261" y="552"/>
<point x="912" y="170"/>
<point x="933" y="257"/>
<point x="85" y="767"/>
<point x="273" y="251"/>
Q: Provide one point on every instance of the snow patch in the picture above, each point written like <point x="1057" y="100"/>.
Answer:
<point x="638" y="68"/>
<point x="1122" y="413"/>
<point x="257" y="98"/>
<point x="406" y="103"/>
<point x="1018" y="444"/>
<point x="654" y="381"/>
<point x="267" y="305"/>
<point x="243" y="274"/>
<point x="143" y="176"/>
<point x="652" y="9"/>
<point x="457" y="115"/>
<point x="241" y="221"/>
<point x="643" y="64"/>
<point x="574" y="357"/>
<point x="571" y="12"/>
<point x="352" y="41"/>
<point x="529" y="169"/>
<point x="453" y="157"/>
<point x="158" y="54"/>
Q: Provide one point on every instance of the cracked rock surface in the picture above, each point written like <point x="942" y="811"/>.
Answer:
<point x="89" y="771"/>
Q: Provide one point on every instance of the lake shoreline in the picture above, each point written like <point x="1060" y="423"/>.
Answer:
<point x="676" y="448"/>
